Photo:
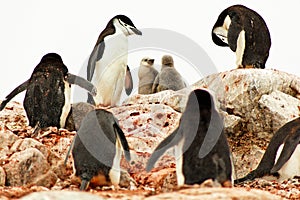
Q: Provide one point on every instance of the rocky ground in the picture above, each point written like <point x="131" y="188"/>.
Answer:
<point x="33" y="166"/>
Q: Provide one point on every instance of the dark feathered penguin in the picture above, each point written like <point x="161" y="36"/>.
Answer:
<point x="282" y="157"/>
<point x="97" y="149"/>
<point x="47" y="98"/>
<point x="107" y="67"/>
<point x="201" y="147"/>
<point x="246" y="33"/>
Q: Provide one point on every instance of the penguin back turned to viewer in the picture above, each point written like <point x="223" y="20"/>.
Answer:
<point x="246" y="33"/>
<point x="168" y="78"/>
<point x="47" y="98"/>
<point x="201" y="148"/>
<point x="98" y="149"/>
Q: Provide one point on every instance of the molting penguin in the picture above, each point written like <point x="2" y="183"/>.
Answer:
<point x="147" y="73"/>
<point x="47" y="98"/>
<point x="246" y="33"/>
<point x="97" y="149"/>
<point x="168" y="78"/>
<point x="201" y="148"/>
<point x="282" y="157"/>
<point x="107" y="66"/>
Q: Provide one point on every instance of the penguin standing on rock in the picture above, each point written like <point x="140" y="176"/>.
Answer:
<point x="201" y="148"/>
<point x="168" y="78"/>
<point x="147" y="73"/>
<point x="97" y="150"/>
<point x="107" y="66"/>
<point x="246" y="33"/>
<point x="282" y="157"/>
<point x="47" y="98"/>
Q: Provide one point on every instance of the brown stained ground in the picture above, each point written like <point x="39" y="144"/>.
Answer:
<point x="160" y="180"/>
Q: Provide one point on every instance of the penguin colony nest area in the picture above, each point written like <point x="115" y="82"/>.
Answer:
<point x="141" y="185"/>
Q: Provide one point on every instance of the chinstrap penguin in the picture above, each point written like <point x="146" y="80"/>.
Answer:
<point x="201" y="148"/>
<point x="107" y="66"/>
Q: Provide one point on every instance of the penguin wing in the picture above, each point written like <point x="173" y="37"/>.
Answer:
<point x="123" y="140"/>
<point x="77" y="80"/>
<point x="155" y="84"/>
<point x="16" y="91"/>
<point x="95" y="56"/>
<point x="167" y="143"/>
<point x="128" y="81"/>
<point x="289" y="147"/>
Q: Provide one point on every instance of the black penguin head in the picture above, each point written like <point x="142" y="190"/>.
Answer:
<point x="147" y="61"/>
<point x="51" y="56"/>
<point x="220" y="29"/>
<point x="167" y="60"/>
<point x="125" y="24"/>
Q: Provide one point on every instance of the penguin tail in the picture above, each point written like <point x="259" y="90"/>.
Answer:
<point x="84" y="184"/>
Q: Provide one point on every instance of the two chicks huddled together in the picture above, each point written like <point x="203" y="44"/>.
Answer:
<point x="152" y="81"/>
<point x="201" y="148"/>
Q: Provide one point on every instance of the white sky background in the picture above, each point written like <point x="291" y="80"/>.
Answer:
<point x="32" y="28"/>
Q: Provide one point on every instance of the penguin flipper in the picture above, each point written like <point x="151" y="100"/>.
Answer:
<point x="155" y="84"/>
<point x="167" y="143"/>
<point x="128" y="81"/>
<point x="289" y="147"/>
<point x="69" y="150"/>
<point x="122" y="140"/>
<point x="77" y="80"/>
<point x="11" y="95"/>
<point x="95" y="56"/>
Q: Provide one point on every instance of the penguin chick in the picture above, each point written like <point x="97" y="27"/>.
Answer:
<point x="246" y="33"/>
<point x="47" y="98"/>
<point x="282" y="157"/>
<point x="147" y="74"/>
<point x="107" y="65"/>
<point x="97" y="149"/>
<point x="201" y="148"/>
<point x="168" y="78"/>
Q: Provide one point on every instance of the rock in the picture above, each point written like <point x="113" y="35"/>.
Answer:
<point x="174" y="99"/>
<point x="29" y="166"/>
<point x="61" y="195"/>
<point x="245" y="92"/>
<point x="7" y="138"/>
<point x="76" y="114"/>
<point x="2" y="177"/>
<point x="216" y="193"/>
<point x="278" y="107"/>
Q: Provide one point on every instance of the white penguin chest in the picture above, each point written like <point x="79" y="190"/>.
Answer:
<point x="292" y="167"/>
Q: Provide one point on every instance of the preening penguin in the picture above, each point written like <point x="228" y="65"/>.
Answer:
<point x="107" y="65"/>
<point x="97" y="149"/>
<point x="47" y="98"/>
<point x="282" y="157"/>
<point x="147" y="73"/>
<point x="168" y="78"/>
<point x="246" y="33"/>
<point x="201" y="148"/>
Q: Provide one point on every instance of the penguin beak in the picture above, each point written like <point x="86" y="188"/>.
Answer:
<point x="136" y="31"/>
<point x="150" y="61"/>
